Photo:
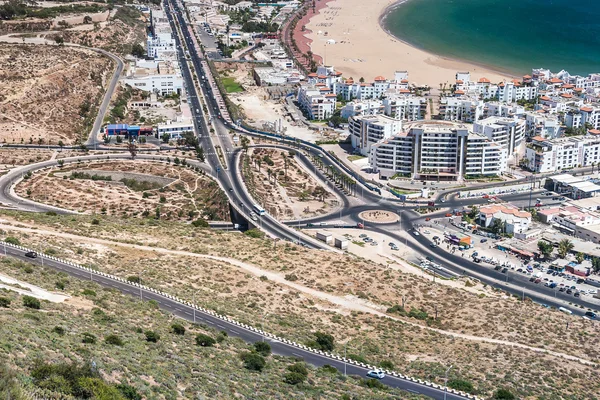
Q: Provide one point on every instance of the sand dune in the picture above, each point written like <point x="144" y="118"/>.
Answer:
<point x="363" y="49"/>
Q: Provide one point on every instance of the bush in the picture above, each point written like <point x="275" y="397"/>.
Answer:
<point x="255" y="233"/>
<point x="253" y="361"/>
<point x="418" y="314"/>
<point x="460" y="384"/>
<point x="88" y="292"/>
<point x="59" y="330"/>
<point x="4" y="302"/>
<point x="134" y="279"/>
<point x="329" y="369"/>
<point x="373" y="384"/>
<point x="88" y="338"/>
<point x="128" y="391"/>
<point x="325" y="341"/>
<point x="178" y="329"/>
<point x="60" y="285"/>
<point x="298" y="368"/>
<point x="385" y="364"/>
<point x="262" y="348"/>
<point x="200" y="223"/>
<point x="31" y="302"/>
<point x="204" y="340"/>
<point x="114" y="340"/>
<point x="12" y="240"/>
<point x="294" y="378"/>
<point x="152" y="336"/>
<point x="28" y="269"/>
<point x="503" y="394"/>
<point x="95" y="221"/>
<point x="291" y="277"/>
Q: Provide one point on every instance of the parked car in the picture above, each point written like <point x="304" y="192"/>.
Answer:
<point x="433" y="245"/>
<point x="569" y="291"/>
<point x="538" y="280"/>
<point x="504" y="270"/>
<point x="498" y="267"/>
<point x="562" y="289"/>
<point x="376" y="374"/>
<point x="31" y="254"/>
<point x="483" y="240"/>
<point x="416" y="233"/>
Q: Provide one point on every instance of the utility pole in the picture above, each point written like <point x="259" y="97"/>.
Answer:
<point x="446" y="382"/>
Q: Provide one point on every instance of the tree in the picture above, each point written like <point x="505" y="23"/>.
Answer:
<point x="87" y="19"/>
<point x="59" y="40"/>
<point x="245" y="142"/>
<point x="361" y="80"/>
<point x="498" y="226"/>
<point x="190" y="139"/>
<point x="132" y="149"/>
<point x="545" y="248"/>
<point x="128" y="391"/>
<point x="294" y="378"/>
<point x="4" y="302"/>
<point x="152" y="336"/>
<point x="200" y="154"/>
<point x="204" y="340"/>
<point x="137" y="50"/>
<point x="473" y="212"/>
<point x="178" y="329"/>
<point x="325" y="341"/>
<point x="262" y="348"/>
<point x="580" y="257"/>
<point x="165" y="137"/>
<point x="564" y="247"/>
<point x="31" y="302"/>
<point x="253" y="361"/>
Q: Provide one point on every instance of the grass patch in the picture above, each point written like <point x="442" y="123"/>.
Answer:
<point x="231" y="86"/>
<point x="355" y="157"/>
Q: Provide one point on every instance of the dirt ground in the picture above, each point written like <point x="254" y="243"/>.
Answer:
<point x="43" y="91"/>
<point x="298" y="194"/>
<point x="493" y="340"/>
<point x="184" y="195"/>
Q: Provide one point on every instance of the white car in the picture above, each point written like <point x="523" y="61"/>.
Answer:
<point x="426" y="232"/>
<point x="416" y="233"/>
<point x="376" y="373"/>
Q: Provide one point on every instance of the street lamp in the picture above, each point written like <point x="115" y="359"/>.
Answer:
<point x="446" y="382"/>
<point x="140" y="283"/>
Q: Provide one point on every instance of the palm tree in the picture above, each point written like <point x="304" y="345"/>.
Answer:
<point x="269" y="172"/>
<point x="564" y="247"/>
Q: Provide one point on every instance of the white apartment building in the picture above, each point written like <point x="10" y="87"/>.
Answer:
<point x="510" y="92"/>
<point x="507" y="132"/>
<point x="380" y="87"/>
<point x="160" y="40"/>
<point x="316" y="101"/>
<point x="517" y="221"/>
<point x="497" y="109"/>
<point x="588" y="114"/>
<point x="543" y="125"/>
<point x="161" y="77"/>
<point x="360" y="108"/>
<point x="548" y="155"/>
<point x="464" y="109"/>
<point x="367" y="130"/>
<point x="408" y="108"/>
<point x="326" y="75"/>
<point x="436" y="150"/>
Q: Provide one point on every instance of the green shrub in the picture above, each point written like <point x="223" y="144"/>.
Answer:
<point x="298" y="368"/>
<point x="291" y="277"/>
<point x="503" y="394"/>
<point x="418" y="314"/>
<point x="325" y="341"/>
<point x="4" y="302"/>
<point x="95" y="221"/>
<point x="59" y="330"/>
<point x="373" y="384"/>
<point x="294" y="378"/>
<point x="134" y="279"/>
<point x="60" y="285"/>
<point x="386" y="364"/>
<point x="262" y="348"/>
<point x="152" y="336"/>
<point x="178" y="329"/>
<point x="460" y="384"/>
<point x="88" y="338"/>
<point x="31" y="302"/>
<point x="329" y="369"/>
<point x="12" y="240"/>
<point x="253" y="361"/>
<point x="128" y="391"/>
<point x="88" y="292"/>
<point x="204" y="340"/>
<point x="255" y="233"/>
<point x="200" y="223"/>
<point x="28" y="269"/>
<point x="114" y="340"/>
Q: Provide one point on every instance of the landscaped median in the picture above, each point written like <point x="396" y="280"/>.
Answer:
<point x="144" y="288"/>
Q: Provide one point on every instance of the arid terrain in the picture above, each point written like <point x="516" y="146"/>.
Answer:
<point x="287" y="191"/>
<point x="132" y="343"/>
<point x="173" y="191"/>
<point x="492" y="340"/>
<point x="49" y="93"/>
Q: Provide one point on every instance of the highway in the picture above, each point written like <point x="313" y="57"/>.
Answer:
<point x="188" y="313"/>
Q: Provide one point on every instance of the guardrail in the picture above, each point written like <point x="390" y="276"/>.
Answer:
<point x="250" y="328"/>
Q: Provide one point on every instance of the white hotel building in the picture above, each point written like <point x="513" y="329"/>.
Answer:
<point x="316" y="101"/>
<point x="507" y="132"/>
<point x="436" y="150"/>
<point x="368" y="130"/>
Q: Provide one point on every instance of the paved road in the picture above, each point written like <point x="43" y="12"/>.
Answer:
<point x="92" y="139"/>
<point x="190" y="314"/>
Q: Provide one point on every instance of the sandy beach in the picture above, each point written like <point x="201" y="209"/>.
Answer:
<point x="363" y="49"/>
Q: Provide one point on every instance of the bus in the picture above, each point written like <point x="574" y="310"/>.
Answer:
<point x="258" y="209"/>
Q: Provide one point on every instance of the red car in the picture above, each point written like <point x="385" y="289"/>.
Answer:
<point x="448" y="214"/>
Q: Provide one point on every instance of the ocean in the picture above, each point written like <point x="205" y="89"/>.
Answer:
<point x="510" y="35"/>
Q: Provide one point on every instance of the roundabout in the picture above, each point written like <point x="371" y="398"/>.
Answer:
<point x="379" y="216"/>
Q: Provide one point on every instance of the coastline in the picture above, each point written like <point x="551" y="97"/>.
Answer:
<point x="362" y="47"/>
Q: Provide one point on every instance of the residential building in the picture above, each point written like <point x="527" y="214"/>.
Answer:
<point x="267" y="76"/>
<point x="514" y="220"/>
<point x="548" y="155"/>
<point x="507" y="132"/>
<point x="436" y="150"/>
<point x="316" y="101"/>
<point x="405" y="107"/>
<point x="366" y="130"/>
<point x="360" y="108"/>
<point x="543" y="125"/>
<point x="464" y="109"/>
<point x="176" y="130"/>
<point x="160" y="39"/>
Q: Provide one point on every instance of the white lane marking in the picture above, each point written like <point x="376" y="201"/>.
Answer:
<point x="296" y="354"/>
<point x="221" y="326"/>
<point x="236" y="332"/>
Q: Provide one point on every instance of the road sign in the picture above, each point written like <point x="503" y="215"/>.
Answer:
<point x="218" y="169"/>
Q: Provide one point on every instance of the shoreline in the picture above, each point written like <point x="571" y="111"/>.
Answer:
<point x="350" y="35"/>
<point x="385" y="13"/>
